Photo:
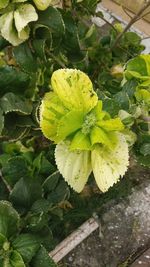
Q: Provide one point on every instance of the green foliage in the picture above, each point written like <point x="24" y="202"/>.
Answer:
<point x="9" y="219"/>
<point x="12" y="103"/>
<point x="138" y="69"/>
<point x="27" y="245"/>
<point x="1" y="121"/>
<point x="13" y="80"/>
<point x="36" y="207"/>
<point x="14" y="168"/>
<point x="25" y="58"/>
<point x="42" y="259"/>
<point x="18" y="250"/>
<point x="35" y="197"/>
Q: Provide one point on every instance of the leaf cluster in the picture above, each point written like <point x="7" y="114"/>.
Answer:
<point x="34" y="197"/>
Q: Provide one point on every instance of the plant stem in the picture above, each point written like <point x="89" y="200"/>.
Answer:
<point x="126" y="11"/>
<point x="132" y="21"/>
<point x="147" y="37"/>
<point x="143" y="15"/>
<point x="57" y="60"/>
<point x="111" y="25"/>
<point x="6" y="184"/>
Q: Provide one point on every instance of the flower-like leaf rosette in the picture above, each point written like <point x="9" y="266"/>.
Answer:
<point x="87" y="138"/>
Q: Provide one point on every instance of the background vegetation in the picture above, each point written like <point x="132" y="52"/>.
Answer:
<point x="36" y="203"/>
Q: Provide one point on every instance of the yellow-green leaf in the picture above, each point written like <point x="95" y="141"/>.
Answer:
<point x="4" y="3"/>
<point x="75" y="89"/>
<point x="100" y="136"/>
<point x="99" y="113"/>
<point x="138" y="67"/>
<point x="143" y="96"/>
<point x="42" y="4"/>
<point x="69" y="124"/>
<point x="80" y="141"/>
<point x="111" y="125"/>
<point x="16" y="259"/>
<point x="51" y="111"/>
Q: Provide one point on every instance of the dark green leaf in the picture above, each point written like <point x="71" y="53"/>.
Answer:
<point x="52" y="19"/>
<point x="37" y="222"/>
<point x="25" y="192"/>
<point x="39" y="47"/>
<point x="15" y="169"/>
<point x="129" y="87"/>
<point x="37" y="162"/>
<point x="4" y="158"/>
<point x="15" y="133"/>
<point x="41" y="205"/>
<point x="4" y="194"/>
<point x="51" y="182"/>
<point x="145" y="149"/>
<point x="9" y="219"/>
<point x="13" y="103"/>
<point x="2" y="262"/>
<point x="25" y="58"/>
<point x="60" y="193"/>
<point x="133" y="38"/>
<point x="71" y="39"/>
<point x="105" y="40"/>
<point x="3" y="43"/>
<point x="42" y="165"/>
<point x="42" y="259"/>
<point x="143" y="138"/>
<point x="144" y="126"/>
<point x="45" y="237"/>
<point x="144" y="160"/>
<point x="122" y="99"/>
<point x="13" y="80"/>
<point x="111" y="106"/>
<point x="88" y="5"/>
<point x="46" y="166"/>
<point x="27" y="245"/>
<point x="43" y="40"/>
<point x="24" y="121"/>
<point x="1" y="121"/>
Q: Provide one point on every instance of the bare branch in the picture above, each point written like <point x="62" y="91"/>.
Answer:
<point x="143" y="15"/>
<point x="126" y="11"/>
<point x="147" y="37"/>
<point x="101" y="17"/>
<point x="132" y="21"/>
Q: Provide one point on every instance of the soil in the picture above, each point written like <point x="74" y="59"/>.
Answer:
<point x="124" y="228"/>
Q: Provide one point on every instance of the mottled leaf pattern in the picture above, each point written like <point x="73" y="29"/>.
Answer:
<point x="74" y="166"/>
<point x="109" y="165"/>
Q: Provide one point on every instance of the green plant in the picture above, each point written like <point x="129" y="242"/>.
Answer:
<point x="88" y="139"/>
<point x="33" y="194"/>
<point x="19" y="249"/>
